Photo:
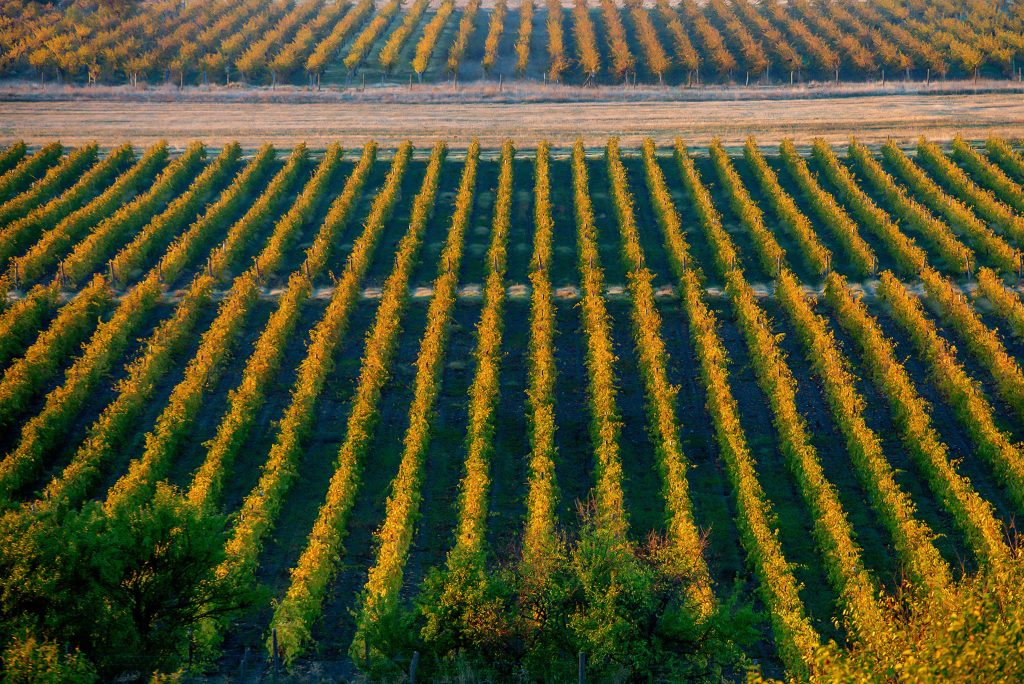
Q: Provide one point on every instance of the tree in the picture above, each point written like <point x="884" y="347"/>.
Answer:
<point x="125" y="587"/>
<point x="621" y="603"/>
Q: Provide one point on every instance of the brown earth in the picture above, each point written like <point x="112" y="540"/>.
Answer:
<point x="871" y="118"/>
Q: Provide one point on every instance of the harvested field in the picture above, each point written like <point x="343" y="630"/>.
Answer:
<point x="872" y="119"/>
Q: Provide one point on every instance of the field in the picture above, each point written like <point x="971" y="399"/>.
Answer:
<point x="511" y="341"/>
<point x="360" y="43"/>
<point x="872" y="118"/>
<point x="429" y="387"/>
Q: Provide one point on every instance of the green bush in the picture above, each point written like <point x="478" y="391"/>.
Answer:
<point x="30" y="661"/>
<point x="622" y="604"/>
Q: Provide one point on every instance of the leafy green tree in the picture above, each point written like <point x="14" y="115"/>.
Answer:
<point x="621" y="603"/>
<point x="126" y="587"/>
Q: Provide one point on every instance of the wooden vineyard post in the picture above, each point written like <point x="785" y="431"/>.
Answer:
<point x="413" y="666"/>
<point x="273" y="656"/>
<point x="582" y="668"/>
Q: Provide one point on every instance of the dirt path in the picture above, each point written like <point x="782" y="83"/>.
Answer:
<point x="870" y="118"/>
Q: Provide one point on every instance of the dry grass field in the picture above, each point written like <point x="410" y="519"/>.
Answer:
<point x="871" y="119"/>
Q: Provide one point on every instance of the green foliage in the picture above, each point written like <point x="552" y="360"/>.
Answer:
<point x="624" y="605"/>
<point x="30" y="661"/>
<point x="125" y="587"/>
<point x="979" y="637"/>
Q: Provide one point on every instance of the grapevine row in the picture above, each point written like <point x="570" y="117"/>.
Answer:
<point x="683" y="532"/>
<point x="111" y="338"/>
<point x="250" y="394"/>
<point x="22" y="176"/>
<point x="483" y="393"/>
<point x="20" y="387"/>
<point x="12" y="155"/>
<point x="957" y="214"/>
<point x="796" y="638"/>
<point x="18" y="235"/>
<point x="539" y="535"/>
<point x="183" y="405"/>
<point x="157" y="358"/>
<point x="605" y="424"/>
<point x="961" y="392"/>
<point x="828" y="211"/>
<point x="908" y="254"/>
<point x="261" y="505"/>
<point x="985" y="202"/>
<point x="936" y="233"/>
<point x="28" y="374"/>
<point x="769" y="252"/>
<point x="818" y="257"/>
<point x="912" y="537"/>
<point x="146" y="216"/>
<point x="55" y="181"/>
<point x="160" y="231"/>
<point x="910" y="413"/>
<point x="1006" y="157"/>
<point x="74" y="226"/>
<point x="832" y="529"/>
<point x="380" y="595"/>
<point x="1005" y="303"/>
<point x="981" y="340"/>
<point x="301" y="606"/>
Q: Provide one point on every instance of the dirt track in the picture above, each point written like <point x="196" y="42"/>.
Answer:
<point x="870" y="118"/>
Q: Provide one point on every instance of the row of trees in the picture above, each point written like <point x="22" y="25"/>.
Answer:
<point x="215" y="40"/>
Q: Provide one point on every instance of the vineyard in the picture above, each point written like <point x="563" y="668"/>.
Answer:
<point x="360" y="43"/>
<point x="681" y="411"/>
